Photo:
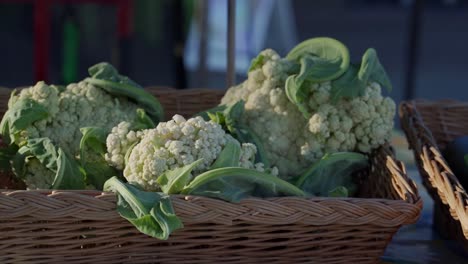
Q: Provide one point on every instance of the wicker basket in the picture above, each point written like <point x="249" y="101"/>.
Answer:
<point x="429" y="126"/>
<point x="84" y="227"/>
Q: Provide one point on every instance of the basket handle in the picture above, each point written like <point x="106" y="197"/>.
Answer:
<point x="404" y="186"/>
<point x="412" y="122"/>
<point x="435" y="168"/>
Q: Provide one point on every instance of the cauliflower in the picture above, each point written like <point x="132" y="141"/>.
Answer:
<point x="119" y="141"/>
<point x="293" y="142"/>
<point x="34" y="168"/>
<point x="247" y="160"/>
<point x="62" y="114"/>
<point x="171" y="145"/>
<point x="79" y="105"/>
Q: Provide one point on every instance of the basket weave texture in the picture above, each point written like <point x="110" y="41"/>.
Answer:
<point x="84" y="226"/>
<point x="430" y="126"/>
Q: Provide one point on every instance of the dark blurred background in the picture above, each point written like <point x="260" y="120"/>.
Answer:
<point x="182" y="43"/>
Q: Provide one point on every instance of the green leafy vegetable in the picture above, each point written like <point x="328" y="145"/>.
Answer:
<point x="353" y="83"/>
<point x="326" y="59"/>
<point x="348" y="85"/>
<point x="173" y="181"/>
<point x="94" y="138"/>
<point x="105" y="76"/>
<point x="44" y="150"/>
<point x="318" y="69"/>
<point x="331" y="55"/>
<point x="321" y="59"/>
<point x="129" y="151"/>
<point x="245" y="135"/>
<point x="339" y="191"/>
<point x="143" y="121"/>
<point x="68" y="174"/>
<point x="217" y="117"/>
<point x="227" y="116"/>
<point x="229" y="156"/>
<point x="233" y="114"/>
<point x="297" y="94"/>
<point x="332" y="171"/>
<point x="105" y="71"/>
<point x="150" y="212"/>
<point x="233" y="184"/>
<point x="92" y="150"/>
<point x="230" y="118"/>
<point x="372" y="70"/>
<point x="205" y="114"/>
<point x="256" y="62"/>
<point x="19" y="116"/>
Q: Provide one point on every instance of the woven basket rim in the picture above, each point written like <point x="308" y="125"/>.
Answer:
<point x="440" y="177"/>
<point x="96" y="193"/>
<point x="277" y="210"/>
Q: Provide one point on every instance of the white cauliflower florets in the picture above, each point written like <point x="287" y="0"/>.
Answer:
<point x="247" y="160"/>
<point x="34" y="168"/>
<point x="78" y="105"/>
<point x="119" y="142"/>
<point x="171" y="145"/>
<point x="292" y="142"/>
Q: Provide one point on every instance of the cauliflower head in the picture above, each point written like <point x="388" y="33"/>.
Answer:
<point x="171" y="145"/>
<point x="118" y="142"/>
<point x="78" y="105"/>
<point x="293" y="142"/>
<point x="34" y="168"/>
<point x="56" y="126"/>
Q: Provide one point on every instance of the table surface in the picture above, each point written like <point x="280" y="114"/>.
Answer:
<point x="419" y="243"/>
